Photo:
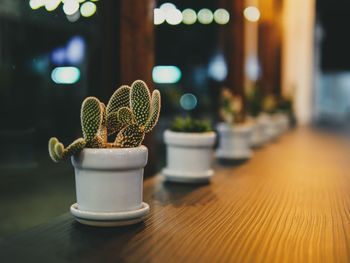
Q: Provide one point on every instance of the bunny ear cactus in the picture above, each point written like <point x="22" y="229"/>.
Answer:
<point x="59" y="153"/>
<point x="145" y="114"/>
<point x="130" y="112"/>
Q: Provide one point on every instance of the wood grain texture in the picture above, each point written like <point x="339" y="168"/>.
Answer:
<point x="290" y="203"/>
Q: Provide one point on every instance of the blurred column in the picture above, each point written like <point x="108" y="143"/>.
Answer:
<point x="270" y="45"/>
<point x="251" y="64"/>
<point x="136" y="40"/>
<point x="137" y="54"/>
<point x="232" y="39"/>
<point x="297" y="58"/>
<point x="128" y="53"/>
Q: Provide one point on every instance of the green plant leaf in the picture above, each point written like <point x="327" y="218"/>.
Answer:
<point x="52" y="143"/>
<point x="91" y="117"/>
<point x="130" y="136"/>
<point x="119" y="99"/>
<point x="125" y="116"/>
<point x="155" y="111"/>
<point x="113" y="123"/>
<point x="140" y="100"/>
<point x="73" y="148"/>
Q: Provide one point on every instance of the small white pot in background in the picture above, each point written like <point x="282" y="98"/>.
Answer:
<point x="273" y="129"/>
<point x="109" y="185"/>
<point x="259" y="132"/>
<point x="234" y="141"/>
<point x="283" y="120"/>
<point x="188" y="157"/>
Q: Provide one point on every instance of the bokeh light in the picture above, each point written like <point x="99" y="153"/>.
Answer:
<point x="70" y="7"/>
<point x="218" y="68"/>
<point x="73" y="18"/>
<point x="205" y="16"/>
<point x="166" y="7"/>
<point x="87" y="9"/>
<point x="188" y="101"/>
<point x="158" y="16"/>
<point x="51" y="5"/>
<point x="35" y="4"/>
<point x="58" y="56"/>
<point x="251" y="13"/>
<point x="173" y="17"/>
<point x="189" y="16"/>
<point x="166" y="74"/>
<point x="65" y="75"/>
<point x="221" y="16"/>
<point x="75" y="50"/>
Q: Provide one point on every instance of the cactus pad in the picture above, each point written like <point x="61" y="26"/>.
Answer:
<point x="59" y="148"/>
<point x="125" y="116"/>
<point x="113" y="123"/>
<point x="130" y="136"/>
<point x="91" y="117"/>
<point x="155" y="110"/>
<point x="120" y="98"/>
<point x="140" y="100"/>
<point x="52" y="143"/>
<point x="73" y="148"/>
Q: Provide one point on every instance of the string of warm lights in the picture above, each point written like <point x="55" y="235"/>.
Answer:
<point x="73" y="9"/>
<point x="168" y="12"/>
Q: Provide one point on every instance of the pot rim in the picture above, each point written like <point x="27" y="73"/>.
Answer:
<point x="188" y="139"/>
<point x="111" y="158"/>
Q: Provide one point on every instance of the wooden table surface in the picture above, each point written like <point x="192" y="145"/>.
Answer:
<point x="289" y="203"/>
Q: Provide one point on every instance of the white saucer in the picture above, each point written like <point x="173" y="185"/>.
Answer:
<point x="187" y="177"/>
<point x="109" y="218"/>
<point x="233" y="156"/>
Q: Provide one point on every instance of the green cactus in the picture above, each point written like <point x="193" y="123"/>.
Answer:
<point x="140" y="100"/>
<point x="52" y="143"/>
<point x="119" y="99"/>
<point x="155" y="110"/>
<point x="59" y="153"/>
<point x="130" y="136"/>
<point x="130" y="112"/>
<point x="125" y="116"/>
<point x="145" y="114"/>
<point x="91" y="117"/>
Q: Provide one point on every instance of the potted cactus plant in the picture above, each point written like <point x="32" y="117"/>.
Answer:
<point x="189" y="146"/>
<point x="285" y="113"/>
<point x="260" y="126"/>
<point x="234" y="133"/>
<point x="109" y="175"/>
<point x="271" y="117"/>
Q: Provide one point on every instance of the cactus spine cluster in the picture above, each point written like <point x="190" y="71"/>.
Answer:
<point x="130" y="113"/>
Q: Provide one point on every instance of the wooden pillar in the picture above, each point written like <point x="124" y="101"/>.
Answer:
<point x="269" y="49"/>
<point x="128" y="51"/>
<point x="232" y="39"/>
<point x="136" y="40"/>
<point x="137" y="54"/>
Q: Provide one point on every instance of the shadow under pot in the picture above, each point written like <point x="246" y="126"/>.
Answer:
<point x="189" y="156"/>
<point x="234" y="142"/>
<point x="109" y="186"/>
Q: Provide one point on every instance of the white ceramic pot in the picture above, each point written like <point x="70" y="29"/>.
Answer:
<point x="188" y="156"/>
<point x="259" y="132"/>
<point x="109" y="180"/>
<point x="234" y="141"/>
<point x="273" y="129"/>
<point x="283" y="120"/>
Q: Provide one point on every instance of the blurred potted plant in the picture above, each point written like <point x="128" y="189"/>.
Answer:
<point x="109" y="175"/>
<point x="285" y="112"/>
<point x="189" y="146"/>
<point x="270" y="116"/>
<point x="259" y="129"/>
<point x="234" y="133"/>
